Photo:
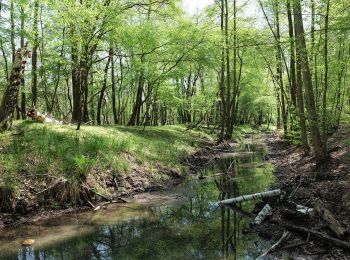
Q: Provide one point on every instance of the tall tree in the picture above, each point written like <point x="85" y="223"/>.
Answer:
<point x="35" y="55"/>
<point x="309" y="93"/>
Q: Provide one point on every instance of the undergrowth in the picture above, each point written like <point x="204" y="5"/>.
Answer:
<point x="60" y="152"/>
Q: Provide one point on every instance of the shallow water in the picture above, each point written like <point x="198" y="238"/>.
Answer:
<point x="183" y="223"/>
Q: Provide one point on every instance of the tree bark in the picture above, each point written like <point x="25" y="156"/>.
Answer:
<point x="12" y="25"/>
<point x="35" y="56"/>
<point x="222" y="79"/>
<point x="114" y="107"/>
<point x="229" y="122"/>
<point x="104" y="86"/>
<point x="309" y="93"/>
<point x="279" y="70"/>
<point x="325" y="89"/>
<point x="10" y="97"/>
<point x="293" y="84"/>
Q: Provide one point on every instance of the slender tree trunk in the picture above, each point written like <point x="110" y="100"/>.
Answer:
<point x="235" y="51"/>
<point x="35" y="56"/>
<point x="280" y="70"/>
<point x="75" y="83"/>
<point x="309" y="93"/>
<point x="114" y="107"/>
<point x="229" y="122"/>
<point x="83" y="87"/>
<point x="12" y="25"/>
<point x="104" y="86"/>
<point x="134" y="119"/>
<point x="293" y="85"/>
<point x="23" y="94"/>
<point x="2" y="48"/>
<point x="301" y="109"/>
<point x="324" y="123"/>
<point x="222" y="78"/>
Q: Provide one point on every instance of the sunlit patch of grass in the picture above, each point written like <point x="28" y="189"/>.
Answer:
<point x="62" y="152"/>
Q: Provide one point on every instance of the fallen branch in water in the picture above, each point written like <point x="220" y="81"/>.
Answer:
<point x="284" y="237"/>
<point x="110" y="202"/>
<point x="105" y="197"/>
<point x="218" y="149"/>
<point x="260" y="195"/>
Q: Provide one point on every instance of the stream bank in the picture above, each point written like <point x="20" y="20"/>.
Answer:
<point x="297" y="174"/>
<point x="50" y="170"/>
<point x="182" y="222"/>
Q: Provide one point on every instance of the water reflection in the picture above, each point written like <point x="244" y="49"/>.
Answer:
<point x="190" y="228"/>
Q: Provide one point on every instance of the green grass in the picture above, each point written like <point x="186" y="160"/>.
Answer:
<point x="38" y="151"/>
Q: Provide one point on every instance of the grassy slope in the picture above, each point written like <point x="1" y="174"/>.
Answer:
<point x="55" y="166"/>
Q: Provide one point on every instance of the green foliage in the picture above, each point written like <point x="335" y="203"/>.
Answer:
<point x="61" y="151"/>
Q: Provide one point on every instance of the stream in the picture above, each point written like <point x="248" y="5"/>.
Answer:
<point x="181" y="223"/>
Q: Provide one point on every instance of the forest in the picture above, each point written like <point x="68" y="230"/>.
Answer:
<point x="175" y="108"/>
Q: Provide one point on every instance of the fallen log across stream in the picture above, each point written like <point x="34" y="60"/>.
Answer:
<point x="267" y="194"/>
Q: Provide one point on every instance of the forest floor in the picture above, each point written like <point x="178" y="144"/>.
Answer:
<point x="297" y="174"/>
<point x="51" y="170"/>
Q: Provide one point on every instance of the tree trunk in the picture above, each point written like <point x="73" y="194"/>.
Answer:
<point x="23" y="94"/>
<point x="279" y="70"/>
<point x="104" y="87"/>
<point x="35" y="56"/>
<point x="134" y="119"/>
<point x="229" y="123"/>
<point x="10" y="98"/>
<point x="301" y="109"/>
<point x="324" y="121"/>
<point x="12" y="25"/>
<point x="222" y="79"/>
<point x="293" y="85"/>
<point x="114" y="107"/>
<point x="309" y="93"/>
<point x="75" y="84"/>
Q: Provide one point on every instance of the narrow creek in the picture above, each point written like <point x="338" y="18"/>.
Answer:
<point x="182" y="223"/>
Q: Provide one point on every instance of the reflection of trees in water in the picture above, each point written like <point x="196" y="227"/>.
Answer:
<point x="227" y="186"/>
<point x="184" y="231"/>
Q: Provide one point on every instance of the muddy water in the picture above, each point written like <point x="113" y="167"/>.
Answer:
<point x="183" y="223"/>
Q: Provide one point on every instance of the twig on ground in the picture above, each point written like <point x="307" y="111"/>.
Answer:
<point x="284" y="237"/>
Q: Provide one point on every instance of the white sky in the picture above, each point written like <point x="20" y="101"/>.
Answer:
<point x="191" y="6"/>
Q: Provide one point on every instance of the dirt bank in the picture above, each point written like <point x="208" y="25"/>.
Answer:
<point x="297" y="174"/>
<point x="48" y="171"/>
